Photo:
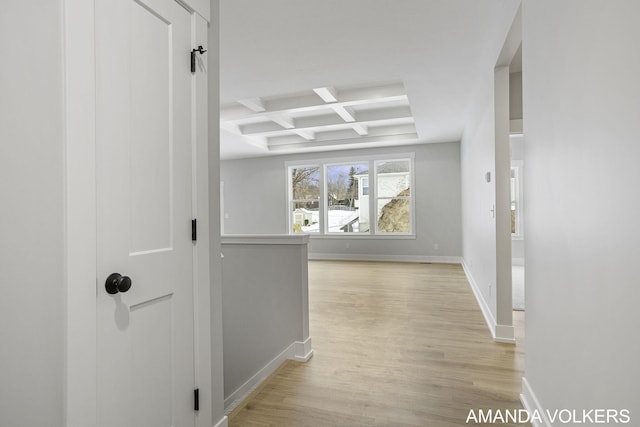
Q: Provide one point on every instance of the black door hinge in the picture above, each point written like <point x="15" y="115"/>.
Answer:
<point x="194" y="230"/>
<point x="201" y="50"/>
<point x="196" y="399"/>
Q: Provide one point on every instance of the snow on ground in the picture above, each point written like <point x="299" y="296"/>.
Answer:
<point x="337" y="219"/>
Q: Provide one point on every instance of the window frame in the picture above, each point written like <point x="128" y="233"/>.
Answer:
<point x="371" y="160"/>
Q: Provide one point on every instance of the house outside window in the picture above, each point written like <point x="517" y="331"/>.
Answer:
<point x="348" y="198"/>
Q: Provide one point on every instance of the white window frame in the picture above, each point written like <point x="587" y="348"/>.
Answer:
<point x="371" y="160"/>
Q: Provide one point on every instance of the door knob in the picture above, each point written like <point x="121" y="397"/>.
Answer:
<point x="116" y="282"/>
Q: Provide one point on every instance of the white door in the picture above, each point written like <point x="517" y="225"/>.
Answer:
<point x="144" y="190"/>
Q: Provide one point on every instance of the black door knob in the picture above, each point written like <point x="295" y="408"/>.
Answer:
<point x="116" y="282"/>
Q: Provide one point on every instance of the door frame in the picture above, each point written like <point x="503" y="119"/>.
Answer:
<point x="504" y="329"/>
<point x="80" y="209"/>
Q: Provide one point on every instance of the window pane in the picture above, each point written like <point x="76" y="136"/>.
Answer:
<point x="394" y="215"/>
<point x="365" y="186"/>
<point x="347" y="206"/>
<point x="393" y="178"/>
<point x="305" y="183"/>
<point x="306" y="217"/>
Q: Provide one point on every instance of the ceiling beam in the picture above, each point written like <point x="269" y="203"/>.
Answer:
<point x="271" y="129"/>
<point x="328" y="94"/>
<point x="254" y="104"/>
<point x="345" y="133"/>
<point x="327" y="119"/>
<point x="299" y="145"/>
<point x="362" y="130"/>
<point x="283" y="121"/>
<point x="230" y="126"/>
<point x="346" y="113"/>
<point x="311" y="102"/>
<point x="309" y="135"/>
<point x="229" y="113"/>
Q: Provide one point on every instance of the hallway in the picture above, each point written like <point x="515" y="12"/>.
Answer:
<point x="394" y="344"/>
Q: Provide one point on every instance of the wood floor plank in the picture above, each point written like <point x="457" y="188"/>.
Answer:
<point x="395" y="344"/>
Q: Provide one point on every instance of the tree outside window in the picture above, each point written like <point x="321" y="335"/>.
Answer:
<point x="305" y="199"/>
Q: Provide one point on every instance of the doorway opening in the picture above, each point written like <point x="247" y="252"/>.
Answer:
<point x="516" y="184"/>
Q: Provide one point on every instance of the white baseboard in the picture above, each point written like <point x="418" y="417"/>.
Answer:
<point x="384" y="258"/>
<point x="302" y="350"/>
<point x="224" y="422"/>
<point x="243" y="391"/>
<point x="532" y="404"/>
<point x="299" y="351"/>
<point x="505" y="334"/>
<point x="499" y="333"/>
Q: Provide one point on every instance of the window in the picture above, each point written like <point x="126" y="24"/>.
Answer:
<point x="345" y="210"/>
<point x="393" y="196"/>
<point x="365" y="186"/>
<point x="305" y="198"/>
<point x="364" y="197"/>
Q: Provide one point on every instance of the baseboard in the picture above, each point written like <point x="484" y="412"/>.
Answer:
<point x="484" y="307"/>
<point x="243" y="391"/>
<point x="499" y="333"/>
<point x="385" y="258"/>
<point x="505" y="334"/>
<point x="302" y="350"/>
<point x="224" y="422"/>
<point x="299" y="351"/>
<point x="532" y="404"/>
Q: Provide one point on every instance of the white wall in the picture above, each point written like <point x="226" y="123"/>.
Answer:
<point x="256" y="202"/>
<point x="486" y="217"/>
<point x="478" y="198"/>
<point x="32" y="306"/>
<point x="266" y="308"/>
<point x="515" y="96"/>
<point x="581" y="103"/>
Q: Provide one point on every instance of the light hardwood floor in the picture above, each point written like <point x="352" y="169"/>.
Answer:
<point x="395" y="344"/>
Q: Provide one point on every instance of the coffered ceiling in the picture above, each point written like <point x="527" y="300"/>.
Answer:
<point x="309" y="75"/>
<point x="328" y="117"/>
